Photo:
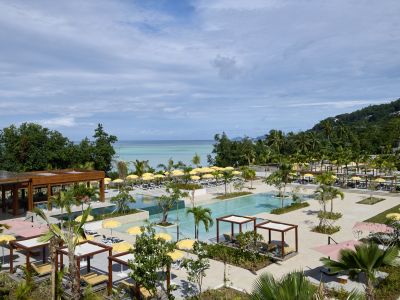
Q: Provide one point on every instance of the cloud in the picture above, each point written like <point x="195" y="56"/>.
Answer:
<point x="58" y="122"/>
<point x="226" y="66"/>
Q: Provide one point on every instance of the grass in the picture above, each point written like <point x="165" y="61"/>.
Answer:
<point x="291" y="207"/>
<point x="381" y="218"/>
<point x="223" y="294"/>
<point x="389" y="288"/>
<point x="329" y="215"/>
<point x="370" y="200"/>
<point x="326" y="229"/>
<point x="232" y="195"/>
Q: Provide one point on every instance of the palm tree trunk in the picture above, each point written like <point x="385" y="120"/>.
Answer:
<point x="53" y="254"/>
<point x="369" y="290"/>
<point x="73" y="272"/>
<point x="331" y="205"/>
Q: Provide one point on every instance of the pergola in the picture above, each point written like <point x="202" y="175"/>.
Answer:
<point x="279" y="227"/>
<point x="85" y="249"/>
<point x="234" y="219"/>
<point x="27" y="182"/>
<point x="123" y="258"/>
<point x="28" y="245"/>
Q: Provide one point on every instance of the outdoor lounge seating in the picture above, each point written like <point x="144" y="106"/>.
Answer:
<point x="94" y="278"/>
<point x="41" y="269"/>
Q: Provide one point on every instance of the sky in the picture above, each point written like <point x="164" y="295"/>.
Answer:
<point x="176" y="69"/>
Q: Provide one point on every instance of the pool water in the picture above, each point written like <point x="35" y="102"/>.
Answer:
<point x="246" y="205"/>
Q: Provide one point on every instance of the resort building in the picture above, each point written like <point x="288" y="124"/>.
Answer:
<point x="21" y="192"/>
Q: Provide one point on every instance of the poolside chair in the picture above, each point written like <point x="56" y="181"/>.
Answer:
<point x="41" y="269"/>
<point x="94" y="278"/>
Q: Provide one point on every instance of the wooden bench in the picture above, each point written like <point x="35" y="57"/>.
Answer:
<point x="94" y="279"/>
<point x="41" y="269"/>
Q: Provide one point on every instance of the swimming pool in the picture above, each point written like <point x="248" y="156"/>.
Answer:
<point x="246" y="205"/>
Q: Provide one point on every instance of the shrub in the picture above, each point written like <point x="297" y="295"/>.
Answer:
<point x="326" y="229"/>
<point x="291" y="207"/>
<point x="329" y="215"/>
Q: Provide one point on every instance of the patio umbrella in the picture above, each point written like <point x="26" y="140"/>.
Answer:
<point x="147" y="178"/>
<point x="308" y="175"/>
<point x="132" y="177"/>
<point x="122" y="247"/>
<point x="393" y="216"/>
<point x="372" y="227"/>
<point x="159" y="176"/>
<point x="207" y="176"/>
<point x="194" y="177"/>
<point x="229" y="168"/>
<point x="107" y="180"/>
<point x="379" y="180"/>
<point x="89" y="218"/>
<point x="236" y="173"/>
<point x="356" y="178"/>
<point x="333" y="250"/>
<point x="134" y="230"/>
<point x="176" y="254"/>
<point x="193" y="172"/>
<point x="185" y="244"/>
<point x="164" y="236"/>
<point x="177" y="173"/>
<point x="147" y="174"/>
<point x="5" y="239"/>
<point x="111" y="224"/>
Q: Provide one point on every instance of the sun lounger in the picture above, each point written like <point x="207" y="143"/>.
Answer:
<point x="95" y="279"/>
<point x="145" y="293"/>
<point x="41" y="269"/>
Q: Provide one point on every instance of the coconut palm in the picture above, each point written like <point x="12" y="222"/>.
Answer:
<point x="280" y="179"/>
<point x="196" y="160"/>
<point x="248" y="174"/>
<point x="293" y="286"/>
<point x="326" y="193"/>
<point x="227" y="177"/>
<point x="366" y="258"/>
<point x="326" y="178"/>
<point x="203" y="215"/>
<point x="141" y="166"/>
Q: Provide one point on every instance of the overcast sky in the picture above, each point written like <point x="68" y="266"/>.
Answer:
<point x="175" y="69"/>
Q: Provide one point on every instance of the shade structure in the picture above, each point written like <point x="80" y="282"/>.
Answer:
<point x="193" y="172"/>
<point x="333" y="250"/>
<point x="147" y="178"/>
<point x="206" y="170"/>
<point x="5" y="238"/>
<point x="177" y="173"/>
<point x="185" y="244"/>
<point x="89" y="218"/>
<point x="236" y="173"/>
<point x="194" y="177"/>
<point x="118" y="180"/>
<point x="111" y="224"/>
<point x="147" y="174"/>
<point x="132" y="177"/>
<point x="122" y="247"/>
<point x="379" y="180"/>
<point x="229" y="168"/>
<point x="207" y="176"/>
<point x="334" y="177"/>
<point x="164" y="236"/>
<point x="134" y="230"/>
<point x="393" y="216"/>
<point x="159" y="176"/>
<point x="356" y="178"/>
<point x="176" y="254"/>
<point x="166" y="173"/>
<point x="107" y="180"/>
<point x="308" y="175"/>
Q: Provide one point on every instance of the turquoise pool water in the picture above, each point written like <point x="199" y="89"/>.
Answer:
<point x="246" y="205"/>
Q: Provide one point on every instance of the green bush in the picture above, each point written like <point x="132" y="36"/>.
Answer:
<point x="115" y="214"/>
<point x="291" y="207"/>
<point x="389" y="288"/>
<point x="329" y="215"/>
<point x="326" y="229"/>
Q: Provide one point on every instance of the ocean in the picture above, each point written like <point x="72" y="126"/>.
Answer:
<point x="157" y="152"/>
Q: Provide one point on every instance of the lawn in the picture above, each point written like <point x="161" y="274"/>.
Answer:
<point x="289" y="208"/>
<point x="381" y="218"/>
<point x="370" y="200"/>
<point x="232" y="195"/>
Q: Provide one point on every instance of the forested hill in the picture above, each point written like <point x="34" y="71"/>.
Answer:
<point x="373" y="115"/>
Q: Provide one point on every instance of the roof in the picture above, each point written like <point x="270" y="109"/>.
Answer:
<point x="122" y="258"/>
<point x="276" y="226"/>
<point x="30" y="243"/>
<point x="236" y="219"/>
<point x="87" y="248"/>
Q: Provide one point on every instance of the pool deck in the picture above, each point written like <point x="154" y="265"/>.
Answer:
<point x="306" y="260"/>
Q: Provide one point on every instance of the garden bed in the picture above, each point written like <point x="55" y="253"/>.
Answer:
<point x="116" y="214"/>
<point x="291" y="207"/>
<point x="232" y="195"/>
<point x="389" y="288"/>
<point x="381" y="218"/>
<point x="223" y="293"/>
<point x="329" y="215"/>
<point x="326" y="229"/>
<point x="370" y="200"/>
<point x="236" y="257"/>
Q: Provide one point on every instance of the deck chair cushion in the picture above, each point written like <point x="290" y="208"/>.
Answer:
<point x="95" y="280"/>
<point x="41" y="269"/>
<point x="145" y="293"/>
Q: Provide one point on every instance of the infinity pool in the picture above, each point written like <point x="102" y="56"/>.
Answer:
<point x="246" y="205"/>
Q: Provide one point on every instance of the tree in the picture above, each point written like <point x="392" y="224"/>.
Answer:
<point x="203" y="215"/>
<point x="227" y="177"/>
<point x="69" y="237"/>
<point x="196" y="160"/>
<point x="103" y="149"/>
<point x="326" y="193"/>
<point x="249" y="243"/>
<point x="151" y="255"/>
<point x="280" y="179"/>
<point x="292" y="286"/>
<point x="3" y="226"/>
<point x="141" y="166"/>
<point x="248" y="174"/>
<point x="366" y="258"/>
<point x="196" y="267"/>
<point x="122" y="200"/>
<point x="166" y="202"/>
<point x="122" y="168"/>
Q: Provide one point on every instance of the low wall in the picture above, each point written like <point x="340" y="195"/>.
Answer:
<point x="139" y="216"/>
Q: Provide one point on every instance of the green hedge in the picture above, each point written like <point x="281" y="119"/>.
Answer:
<point x="291" y="207"/>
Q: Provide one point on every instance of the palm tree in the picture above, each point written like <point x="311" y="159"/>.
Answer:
<point x="227" y="177"/>
<point x="293" y="286"/>
<point x="326" y="178"/>
<point x="366" y="258"/>
<point x="171" y="165"/>
<point x="200" y="214"/>
<point x="141" y="166"/>
<point x="326" y="193"/>
<point x="276" y="140"/>
<point x="196" y="160"/>
<point x="248" y="174"/>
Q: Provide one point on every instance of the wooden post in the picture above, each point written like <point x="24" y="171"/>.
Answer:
<point x="15" y="199"/>
<point x="240" y="228"/>
<point x="88" y="264"/>
<point x="3" y="199"/>
<point x="217" y="231"/>
<point x="101" y="188"/>
<point x="168" y="277"/>
<point x="283" y="244"/>
<point x="61" y="261"/>
<point x="232" y="231"/>
<point x="269" y="236"/>
<point x="30" y="196"/>
<point x="78" y="268"/>
<point x="44" y="254"/>
<point x="28" y="254"/>
<point x="49" y="206"/>
<point x="11" y="257"/>
<point x="88" y="184"/>
<point x="297" y="240"/>
<point x="109" y="283"/>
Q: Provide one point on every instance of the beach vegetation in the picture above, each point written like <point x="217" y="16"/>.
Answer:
<point x="222" y="293"/>
<point x="122" y="200"/>
<point x="171" y="165"/>
<point x="280" y="179"/>
<point x="381" y="217"/>
<point x="200" y="215"/>
<point x="329" y="215"/>
<point x="326" y="228"/>
<point x="187" y="186"/>
<point x="141" y="167"/>
<point x="122" y="168"/>
<point x="196" y="160"/>
<point x="248" y="175"/>
<point x="167" y="202"/>
<point x="227" y="177"/>
<point x="248" y="242"/>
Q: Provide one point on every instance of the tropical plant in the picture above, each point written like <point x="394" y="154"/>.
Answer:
<point x="166" y="202"/>
<point x="200" y="214"/>
<point x="227" y="177"/>
<point x="151" y="255"/>
<point x="141" y="166"/>
<point x="196" y="160"/>
<point x="3" y="226"/>
<point x="326" y="193"/>
<point x="122" y="200"/>
<point x="249" y="242"/>
<point x="122" y="168"/>
<point x="366" y="259"/>
<point x="248" y="174"/>
<point x="292" y="286"/>
<point x="280" y="179"/>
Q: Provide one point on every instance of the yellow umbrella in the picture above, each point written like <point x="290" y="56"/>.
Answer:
<point x="206" y="170"/>
<point x="193" y="172"/>
<point x="132" y="177"/>
<point x="356" y="178"/>
<point x="110" y="224"/>
<point x="80" y="239"/>
<point x="147" y="174"/>
<point x="118" y="181"/>
<point x="207" y="176"/>
<point x="236" y="173"/>
<point x="107" y="180"/>
<point x="229" y="168"/>
<point x="122" y="247"/>
<point x="393" y="216"/>
<point x="308" y="175"/>
<point x="177" y="173"/>
<point x="147" y="178"/>
<point x="134" y="230"/>
<point x="166" y="173"/>
<point x="159" y="176"/>
<point x="334" y="177"/>
<point x="194" y="177"/>
<point x="185" y="244"/>
<point x="5" y="238"/>
<point x="380" y="180"/>
<point x="176" y="254"/>
<point x="164" y="236"/>
<point x="89" y="218"/>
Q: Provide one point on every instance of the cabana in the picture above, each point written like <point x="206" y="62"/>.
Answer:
<point x="29" y="245"/>
<point x="235" y="219"/>
<point x="279" y="227"/>
<point x="86" y="249"/>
